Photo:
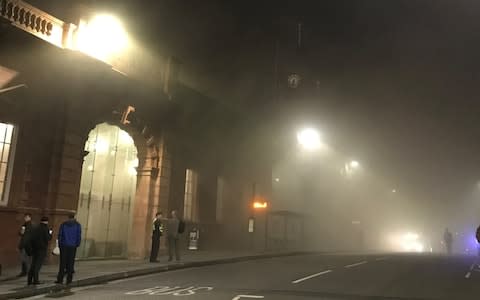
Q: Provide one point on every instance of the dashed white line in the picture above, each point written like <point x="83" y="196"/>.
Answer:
<point x="356" y="264"/>
<point x="472" y="268"/>
<point x="311" y="276"/>
<point x="381" y="258"/>
<point x="35" y="297"/>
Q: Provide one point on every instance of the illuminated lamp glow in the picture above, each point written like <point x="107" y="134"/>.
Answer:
<point x="354" y="164"/>
<point x="102" y="37"/>
<point x="260" y="205"/>
<point x="309" y="139"/>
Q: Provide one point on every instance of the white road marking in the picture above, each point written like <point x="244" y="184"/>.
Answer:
<point x="381" y="258"/>
<point x="468" y="275"/>
<point x="36" y="297"/>
<point x="248" y="296"/>
<point x="356" y="264"/>
<point x="174" y="291"/>
<point x="311" y="276"/>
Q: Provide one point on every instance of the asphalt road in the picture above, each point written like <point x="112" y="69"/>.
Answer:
<point x="304" y="277"/>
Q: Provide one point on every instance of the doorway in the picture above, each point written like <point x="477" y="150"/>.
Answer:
<point x="107" y="192"/>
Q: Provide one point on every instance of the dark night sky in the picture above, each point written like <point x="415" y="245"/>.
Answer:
<point x="398" y="79"/>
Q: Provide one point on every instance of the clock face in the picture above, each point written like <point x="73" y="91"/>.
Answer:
<point x="294" y="81"/>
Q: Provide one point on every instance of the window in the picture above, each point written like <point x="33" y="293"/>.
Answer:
<point x="190" y="205"/>
<point x="220" y="198"/>
<point x="6" y="160"/>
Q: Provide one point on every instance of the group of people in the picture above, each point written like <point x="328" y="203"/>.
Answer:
<point x="173" y="227"/>
<point x="35" y="239"/>
<point x="33" y="247"/>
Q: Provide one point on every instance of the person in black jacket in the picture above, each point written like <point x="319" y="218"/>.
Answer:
<point x="157" y="232"/>
<point x="24" y="234"/>
<point x="38" y="245"/>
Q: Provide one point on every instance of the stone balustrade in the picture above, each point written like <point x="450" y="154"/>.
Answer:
<point x="36" y="22"/>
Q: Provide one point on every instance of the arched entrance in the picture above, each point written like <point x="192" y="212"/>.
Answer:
<point x="107" y="192"/>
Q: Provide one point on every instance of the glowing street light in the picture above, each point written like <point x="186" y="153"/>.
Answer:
<point x="260" y="205"/>
<point x="309" y="139"/>
<point x="354" y="164"/>
<point x="102" y="37"/>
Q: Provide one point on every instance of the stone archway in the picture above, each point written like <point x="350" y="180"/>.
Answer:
<point x="107" y="192"/>
<point x="151" y="192"/>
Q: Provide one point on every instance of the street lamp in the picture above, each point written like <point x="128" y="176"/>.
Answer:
<point x="354" y="164"/>
<point x="102" y="37"/>
<point x="309" y="139"/>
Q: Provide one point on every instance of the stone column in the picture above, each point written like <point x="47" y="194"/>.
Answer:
<point x="150" y="197"/>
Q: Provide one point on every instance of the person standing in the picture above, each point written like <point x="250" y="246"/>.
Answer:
<point x="477" y="235"/>
<point x="69" y="238"/>
<point x="24" y="234"/>
<point x="157" y="232"/>
<point x="448" y="239"/>
<point x="38" y="245"/>
<point x="174" y="228"/>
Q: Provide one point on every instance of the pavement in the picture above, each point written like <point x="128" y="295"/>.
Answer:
<point x="88" y="272"/>
<point x="315" y="276"/>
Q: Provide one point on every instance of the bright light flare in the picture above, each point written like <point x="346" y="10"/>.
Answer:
<point x="407" y="242"/>
<point x="101" y="146"/>
<point x="102" y="37"/>
<point x="354" y="164"/>
<point x="309" y="139"/>
<point x="411" y="236"/>
<point x="260" y="205"/>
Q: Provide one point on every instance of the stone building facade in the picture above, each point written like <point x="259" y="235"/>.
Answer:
<point x="82" y="137"/>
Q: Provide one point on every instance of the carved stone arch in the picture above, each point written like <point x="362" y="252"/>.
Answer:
<point x="149" y="188"/>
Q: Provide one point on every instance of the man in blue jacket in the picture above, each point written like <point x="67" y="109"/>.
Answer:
<point x="69" y="237"/>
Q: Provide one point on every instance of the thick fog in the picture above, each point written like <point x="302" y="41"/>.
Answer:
<point x="361" y="210"/>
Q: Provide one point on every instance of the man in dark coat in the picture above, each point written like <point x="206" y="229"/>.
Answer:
<point x="157" y="232"/>
<point x="24" y="234"/>
<point x="69" y="238"/>
<point x="175" y="227"/>
<point x="448" y="239"/>
<point x="38" y="245"/>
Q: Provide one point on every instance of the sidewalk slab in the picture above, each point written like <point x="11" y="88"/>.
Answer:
<point x="102" y="271"/>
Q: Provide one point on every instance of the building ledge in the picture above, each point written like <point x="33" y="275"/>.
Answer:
<point x="36" y="22"/>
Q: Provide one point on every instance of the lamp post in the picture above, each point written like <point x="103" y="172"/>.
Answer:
<point x="258" y="205"/>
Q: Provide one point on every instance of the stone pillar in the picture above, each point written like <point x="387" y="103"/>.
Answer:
<point x="151" y="196"/>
